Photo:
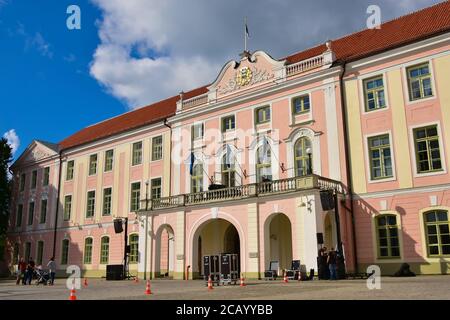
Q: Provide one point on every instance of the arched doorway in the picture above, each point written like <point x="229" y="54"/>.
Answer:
<point x="214" y="237"/>
<point x="164" y="254"/>
<point x="278" y="241"/>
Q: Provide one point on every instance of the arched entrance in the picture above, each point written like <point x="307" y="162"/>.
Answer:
<point x="278" y="241"/>
<point x="164" y="254"/>
<point x="212" y="238"/>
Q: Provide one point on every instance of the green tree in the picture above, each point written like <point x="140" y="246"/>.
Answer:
<point x="5" y="191"/>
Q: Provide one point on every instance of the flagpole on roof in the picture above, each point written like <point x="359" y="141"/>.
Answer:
<point x="245" y="34"/>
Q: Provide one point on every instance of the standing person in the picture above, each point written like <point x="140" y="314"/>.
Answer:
<point x="331" y="260"/>
<point x="21" y="269"/>
<point x="51" y="265"/>
<point x="30" y="271"/>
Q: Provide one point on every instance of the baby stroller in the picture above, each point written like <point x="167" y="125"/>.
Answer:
<point x="42" y="276"/>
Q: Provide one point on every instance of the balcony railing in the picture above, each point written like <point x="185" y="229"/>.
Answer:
<point x="304" y="65"/>
<point x="243" y="192"/>
<point x="196" y="101"/>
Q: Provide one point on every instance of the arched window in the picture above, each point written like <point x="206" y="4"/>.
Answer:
<point x="228" y="172"/>
<point x="65" y="251"/>
<point x="437" y="227"/>
<point x="197" y="178"/>
<point x="88" y="250"/>
<point x="387" y="235"/>
<point x="263" y="164"/>
<point x="134" y="248"/>
<point x="302" y="166"/>
<point x="104" y="250"/>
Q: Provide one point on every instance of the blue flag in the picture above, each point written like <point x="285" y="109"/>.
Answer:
<point x="191" y="168"/>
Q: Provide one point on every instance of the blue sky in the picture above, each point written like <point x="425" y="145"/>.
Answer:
<point x="55" y="81"/>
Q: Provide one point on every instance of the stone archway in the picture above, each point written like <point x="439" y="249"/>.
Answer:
<point x="278" y="240"/>
<point x="213" y="237"/>
<point x="164" y="253"/>
<point x="329" y="226"/>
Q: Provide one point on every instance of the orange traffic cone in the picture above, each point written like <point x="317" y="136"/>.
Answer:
<point x="147" y="288"/>
<point x="72" y="294"/>
<point x="242" y="282"/>
<point x="85" y="282"/>
<point x="210" y="285"/>
<point x="285" y="279"/>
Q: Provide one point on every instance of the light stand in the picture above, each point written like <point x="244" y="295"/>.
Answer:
<point x="146" y="228"/>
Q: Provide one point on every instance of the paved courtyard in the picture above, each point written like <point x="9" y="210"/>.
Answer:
<point x="423" y="287"/>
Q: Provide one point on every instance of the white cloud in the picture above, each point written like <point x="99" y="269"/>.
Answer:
<point x="13" y="140"/>
<point x="152" y="49"/>
<point x="38" y="42"/>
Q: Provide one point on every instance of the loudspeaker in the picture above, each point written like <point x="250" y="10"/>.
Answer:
<point x="118" y="225"/>
<point x="327" y="200"/>
<point x="320" y="238"/>
<point x="114" y="272"/>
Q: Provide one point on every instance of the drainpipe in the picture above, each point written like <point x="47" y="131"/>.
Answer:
<point x="347" y="162"/>
<point x="57" y="204"/>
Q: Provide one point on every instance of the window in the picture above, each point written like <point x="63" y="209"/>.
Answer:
<point x="302" y="158"/>
<point x="69" y="171"/>
<point x="19" y="215"/>
<point x="134" y="246"/>
<point x="40" y="252"/>
<point x="109" y="160"/>
<point x="104" y="250"/>
<point x="27" y="251"/>
<point x="380" y="157"/>
<point x="65" y="251"/>
<point x="90" y="205"/>
<point x="137" y="153"/>
<point x="93" y="164"/>
<point x="88" y="250"/>
<point x="67" y="207"/>
<point x="157" y="148"/>
<point x="43" y="216"/>
<point x="46" y="180"/>
<point x="228" y="123"/>
<point x="30" y="213"/>
<point x="156" y="188"/>
<point x="34" y="179"/>
<point x="262" y="115"/>
<point x="419" y="82"/>
<point x="228" y="172"/>
<point x="301" y="104"/>
<point x="22" y="181"/>
<point x="263" y="164"/>
<point x="374" y="94"/>
<point x="437" y="227"/>
<point x="107" y="194"/>
<point x="135" y="196"/>
<point x="197" y="178"/>
<point x="16" y="253"/>
<point x="387" y="235"/>
<point x="428" y="155"/>
<point x="197" y="131"/>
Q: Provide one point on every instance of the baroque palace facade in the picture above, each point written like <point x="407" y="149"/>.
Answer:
<point x="365" y="117"/>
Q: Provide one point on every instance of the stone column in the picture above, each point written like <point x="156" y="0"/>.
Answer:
<point x="180" y="245"/>
<point x="251" y="253"/>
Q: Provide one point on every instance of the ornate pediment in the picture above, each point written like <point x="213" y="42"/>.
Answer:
<point x="253" y="70"/>
<point x="35" y="152"/>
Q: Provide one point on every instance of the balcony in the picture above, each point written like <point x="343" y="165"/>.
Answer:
<point x="264" y="189"/>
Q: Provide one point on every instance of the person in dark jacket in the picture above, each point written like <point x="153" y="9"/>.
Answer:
<point x="30" y="271"/>
<point x="331" y="261"/>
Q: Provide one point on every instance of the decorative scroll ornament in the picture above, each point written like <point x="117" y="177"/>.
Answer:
<point x="245" y="77"/>
<point x="38" y="155"/>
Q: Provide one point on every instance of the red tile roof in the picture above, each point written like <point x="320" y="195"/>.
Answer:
<point x="407" y="29"/>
